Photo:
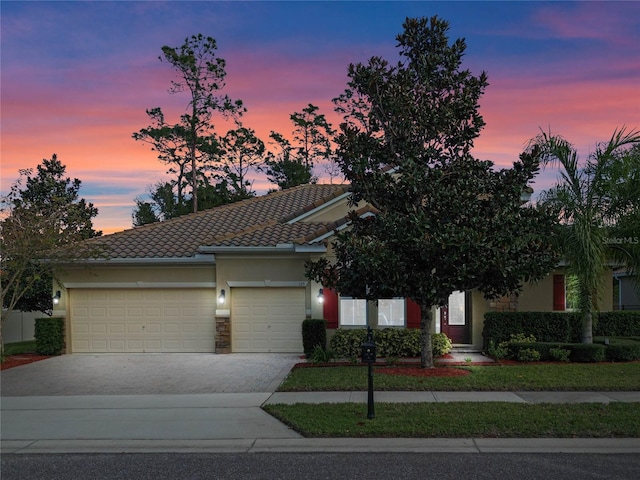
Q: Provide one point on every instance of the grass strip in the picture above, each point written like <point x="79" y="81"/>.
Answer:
<point x="17" y="348"/>
<point x="529" y="377"/>
<point x="462" y="419"/>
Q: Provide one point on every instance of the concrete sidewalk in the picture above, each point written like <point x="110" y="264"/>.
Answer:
<point x="235" y="422"/>
<point x="435" y="397"/>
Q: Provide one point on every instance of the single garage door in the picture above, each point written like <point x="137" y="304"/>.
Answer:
<point x="142" y="320"/>
<point x="267" y="319"/>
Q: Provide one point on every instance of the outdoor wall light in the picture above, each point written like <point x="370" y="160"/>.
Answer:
<point x="320" y="296"/>
<point x="221" y="297"/>
<point x="56" y="297"/>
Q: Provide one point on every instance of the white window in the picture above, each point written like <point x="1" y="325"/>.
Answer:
<point x="353" y="312"/>
<point x="456" y="309"/>
<point x="391" y="312"/>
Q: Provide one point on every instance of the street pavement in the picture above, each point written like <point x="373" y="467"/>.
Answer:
<point x="187" y="404"/>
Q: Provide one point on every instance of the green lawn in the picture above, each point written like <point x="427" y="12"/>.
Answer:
<point x="20" y="347"/>
<point x="462" y="419"/>
<point x="531" y="377"/>
<point x="467" y="419"/>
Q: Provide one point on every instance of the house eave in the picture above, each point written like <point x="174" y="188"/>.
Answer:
<point x="195" y="260"/>
<point x="280" y="248"/>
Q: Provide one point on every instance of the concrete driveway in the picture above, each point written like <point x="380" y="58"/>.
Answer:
<point x="148" y="374"/>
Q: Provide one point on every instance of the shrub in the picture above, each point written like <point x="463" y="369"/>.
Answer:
<point x="441" y="344"/>
<point x="345" y="343"/>
<point x="587" y="352"/>
<point x="498" y="351"/>
<point x="617" y="324"/>
<point x="528" y="355"/>
<point x="545" y="326"/>
<point x="563" y="327"/>
<point x="510" y="348"/>
<point x="559" y="354"/>
<point x="320" y="355"/>
<point x="314" y="334"/>
<point x="49" y="335"/>
<point x="390" y="343"/>
<point x="623" y="352"/>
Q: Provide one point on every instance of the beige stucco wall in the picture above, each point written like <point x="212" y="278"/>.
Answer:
<point x="479" y="306"/>
<point x="539" y="297"/>
<point x="266" y="271"/>
<point x="132" y="276"/>
<point x="335" y="211"/>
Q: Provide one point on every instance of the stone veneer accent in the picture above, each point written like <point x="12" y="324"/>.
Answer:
<point x="223" y="335"/>
<point x="508" y="303"/>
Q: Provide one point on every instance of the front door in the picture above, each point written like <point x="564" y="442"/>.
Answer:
<point x="454" y="318"/>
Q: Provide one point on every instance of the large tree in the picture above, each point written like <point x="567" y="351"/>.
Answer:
<point x="294" y="160"/>
<point x="443" y="221"/>
<point x="191" y="147"/>
<point x="242" y="153"/>
<point x="598" y="201"/>
<point x="41" y="215"/>
<point x="282" y="167"/>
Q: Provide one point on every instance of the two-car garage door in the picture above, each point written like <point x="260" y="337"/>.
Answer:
<point x="143" y="320"/>
<point x="183" y="320"/>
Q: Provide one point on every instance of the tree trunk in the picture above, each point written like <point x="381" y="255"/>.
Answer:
<point x="426" y="356"/>
<point x="587" y="319"/>
<point x="587" y="327"/>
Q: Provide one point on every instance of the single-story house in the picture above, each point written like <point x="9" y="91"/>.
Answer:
<point x="232" y="279"/>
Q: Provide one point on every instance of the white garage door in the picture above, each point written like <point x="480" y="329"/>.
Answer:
<point x="142" y="320"/>
<point x="267" y="319"/>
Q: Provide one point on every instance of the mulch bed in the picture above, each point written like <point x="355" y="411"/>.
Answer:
<point x="21" y="359"/>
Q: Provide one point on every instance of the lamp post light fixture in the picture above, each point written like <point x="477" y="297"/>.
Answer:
<point x="320" y="296"/>
<point x="221" y="297"/>
<point x="56" y="297"/>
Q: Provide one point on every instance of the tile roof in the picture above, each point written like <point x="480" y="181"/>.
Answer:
<point x="259" y="221"/>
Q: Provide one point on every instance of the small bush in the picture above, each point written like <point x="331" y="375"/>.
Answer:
<point x="441" y="344"/>
<point x="528" y="355"/>
<point x="511" y="347"/>
<point x="498" y="351"/>
<point x="559" y="354"/>
<point x="587" y="352"/>
<point x="320" y="355"/>
<point x="49" y="335"/>
<point x="314" y="333"/>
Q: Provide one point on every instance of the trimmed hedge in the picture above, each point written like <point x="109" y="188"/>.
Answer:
<point x="390" y="342"/>
<point x="562" y="327"/>
<point x="314" y="333"/>
<point x="49" y="335"/>
<point x="620" y="351"/>
<point x="617" y="324"/>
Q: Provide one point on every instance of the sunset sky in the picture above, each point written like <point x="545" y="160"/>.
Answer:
<point x="77" y="77"/>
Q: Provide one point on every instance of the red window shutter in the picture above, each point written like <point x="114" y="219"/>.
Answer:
<point x="413" y="314"/>
<point x="558" y="292"/>
<point x="330" y="307"/>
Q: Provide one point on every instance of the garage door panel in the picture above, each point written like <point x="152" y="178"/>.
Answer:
<point x="267" y="319"/>
<point x="143" y="320"/>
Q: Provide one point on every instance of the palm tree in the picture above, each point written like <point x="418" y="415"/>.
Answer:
<point x="588" y="197"/>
